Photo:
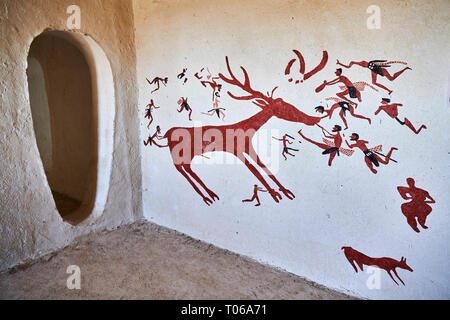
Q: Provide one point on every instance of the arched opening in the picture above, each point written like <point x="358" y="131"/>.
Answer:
<point x="72" y="105"/>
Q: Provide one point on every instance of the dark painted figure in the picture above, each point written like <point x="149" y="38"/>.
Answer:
<point x="417" y="209"/>
<point x="387" y="264"/>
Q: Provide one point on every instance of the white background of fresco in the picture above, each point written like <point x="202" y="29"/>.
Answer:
<point x="345" y="205"/>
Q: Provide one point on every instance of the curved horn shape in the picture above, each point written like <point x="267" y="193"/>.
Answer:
<point x="319" y="67"/>
<point x="302" y="61"/>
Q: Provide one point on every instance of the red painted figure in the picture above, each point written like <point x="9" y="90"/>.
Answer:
<point x="182" y="74"/>
<point x="184" y="105"/>
<point x="331" y="150"/>
<point x="343" y="106"/>
<point x="418" y="207"/>
<point x="392" y="110"/>
<point x="148" y="112"/>
<point x="255" y="195"/>
<point x="387" y="264"/>
<point x="301" y="60"/>
<point x="216" y="110"/>
<point x="349" y="89"/>
<point x="151" y="139"/>
<point x="213" y="84"/>
<point x="234" y="138"/>
<point x="371" y="158"/>
<point x="378" y="68"/>
<point x="156" y="81"/>
<point x="285" y="147"/>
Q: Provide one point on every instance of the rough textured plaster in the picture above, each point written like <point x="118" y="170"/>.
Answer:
<point x="146" y="261"/>
<point x="68" y="87"/>
<point x="29" y="223"/>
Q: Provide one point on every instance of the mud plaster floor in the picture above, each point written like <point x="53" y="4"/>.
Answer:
<point x="145" y="261"/>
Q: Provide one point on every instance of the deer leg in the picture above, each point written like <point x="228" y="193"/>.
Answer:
<point x="353" y="265"/>
<point x="188" y="169"/>
<point x="205" y="199"/>
<point x="275" y="195"/>
<point x="395" y="272"/>
<point x="258" y="161"/>
<point x="390" y="275"/>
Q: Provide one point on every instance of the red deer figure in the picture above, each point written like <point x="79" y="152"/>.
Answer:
<point x="234" y="138"/>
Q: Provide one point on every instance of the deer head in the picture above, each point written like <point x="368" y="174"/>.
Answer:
<point x="403" y="265"/>
<point x="278" y="107"/>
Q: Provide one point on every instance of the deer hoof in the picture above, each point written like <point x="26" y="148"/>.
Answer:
<point x="213" y="196"/>
<point x="275" y="195"/>
<point x="208" y="201"/>
<point x="287" y="193"/>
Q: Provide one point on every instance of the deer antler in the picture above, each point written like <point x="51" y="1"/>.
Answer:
<point x="260" y="99"/>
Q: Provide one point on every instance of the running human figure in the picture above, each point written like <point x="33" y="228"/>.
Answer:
<point x="184" y="105"/>
<point x="371" y="155"/>
<point x="418" y="207"/>
<point x="330" y="147"/>
<point x="344" y="106"/>
<point x="156" y="81"/>
<point x="151" y="139"/>
<point x="255" y="195"/>
<point x="148" y="112"/>
<point x="182" y="75"/>
<point x="378" y="68"/>
<point x="349" y="87"/>
<point x="216" y="110"/>
<point x="285" y="147"/>
<point x="392" y="110"/>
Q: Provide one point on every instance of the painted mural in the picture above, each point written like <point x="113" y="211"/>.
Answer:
<point x="387" y="264"/>
<point x="418" y="208"/>
<point x="236" y="138"/>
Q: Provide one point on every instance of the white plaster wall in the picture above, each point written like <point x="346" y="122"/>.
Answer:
<point x="29" y="222"/>
<point x="41" y="113"/>
<point x="345" y="205"/>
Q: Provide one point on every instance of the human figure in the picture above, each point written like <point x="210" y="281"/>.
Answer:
<point x="156" y="81"/>
<point x="392" y="110"/>
<point x="182" y="74"/>
<point x="331" y="150"/>
<point x="285" y="147"/>
<point x="255" y="195"/>
<point x="148" y="112"/>
<point x="418" y="206"/>
<point x="184" y="105"/>
<point x="344" y="106"/>
<point x="349" y="89"/>
<point x="213" y="84"/>
<point x="197" y="74"/>
<point x="216" y="110"/>
<point x="371" y="157"/>
<point x="378" y="68"/>
<point x="151" y="139"/>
